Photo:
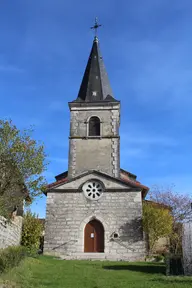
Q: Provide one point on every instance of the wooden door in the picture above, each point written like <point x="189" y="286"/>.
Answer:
<point x="94" y="237"/>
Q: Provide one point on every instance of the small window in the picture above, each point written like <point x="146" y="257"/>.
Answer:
<point x="94" y="126"/>
<point x="115" y="235"/>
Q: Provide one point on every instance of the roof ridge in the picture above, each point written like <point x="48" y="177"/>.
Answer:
<point x="127" y="180"/>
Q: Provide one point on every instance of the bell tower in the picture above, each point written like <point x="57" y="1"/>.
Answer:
<point x="94" y="122"/>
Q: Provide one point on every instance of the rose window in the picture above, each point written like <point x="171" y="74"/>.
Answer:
<point x="93" y="190"/>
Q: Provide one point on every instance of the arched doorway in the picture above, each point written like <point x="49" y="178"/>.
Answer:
<point x="94" y="237"/>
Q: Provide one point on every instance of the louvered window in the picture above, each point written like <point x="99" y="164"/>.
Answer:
<point x="94" y="126"/>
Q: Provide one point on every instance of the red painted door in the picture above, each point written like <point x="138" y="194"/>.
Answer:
<point x="94" y="237"/>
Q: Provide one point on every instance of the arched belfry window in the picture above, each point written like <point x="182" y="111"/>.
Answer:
<point x="94" y="126"/>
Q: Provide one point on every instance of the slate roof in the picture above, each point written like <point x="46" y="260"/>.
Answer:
<point x="95" y="86"/>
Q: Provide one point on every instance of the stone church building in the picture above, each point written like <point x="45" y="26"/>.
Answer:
<point x="94" y="210"/>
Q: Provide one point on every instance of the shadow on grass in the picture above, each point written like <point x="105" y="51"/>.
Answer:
<point x="151" y="268"/>
<point x="174" y="280"/>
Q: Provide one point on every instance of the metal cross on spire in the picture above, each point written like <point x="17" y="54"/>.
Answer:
<point x="96" y="26"/>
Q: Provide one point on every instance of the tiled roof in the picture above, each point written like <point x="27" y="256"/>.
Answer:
<point x="160" y="205"/>
<point x="124" y="176"/>
<point x="53" y="184"/>
<point x="137" y="183"/>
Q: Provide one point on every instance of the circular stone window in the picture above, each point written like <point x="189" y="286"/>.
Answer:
<point x="93" y="189"/>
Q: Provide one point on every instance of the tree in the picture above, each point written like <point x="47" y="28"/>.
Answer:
<point x="22" y="162"/>
<point x="180" y="205"/>
<point x="157" y="222"/>
<point x="31" y="232"/>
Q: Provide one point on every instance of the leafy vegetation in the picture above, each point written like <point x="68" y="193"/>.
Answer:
<point x="22" y="162"/>
<point x="157" y="222"/>
<point x="31" y="231"/>
<point x="11" y="257"/>
<point x="180" y="205"/>
<point x="49" y="272"/>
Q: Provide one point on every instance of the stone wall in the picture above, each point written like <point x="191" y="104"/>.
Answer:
<point x="161" y="245"/>
<point x="105" y="146"/>
<point x="10" y="232"/>
<point x="119" y="212"/>
<point x="187" y="248"/>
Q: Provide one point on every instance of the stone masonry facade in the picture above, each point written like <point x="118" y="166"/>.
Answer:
<point x="105" y="147"/>
<point x="92" y="205"/>
<point x="10" y="232"/>
<point x="69" y="211"/>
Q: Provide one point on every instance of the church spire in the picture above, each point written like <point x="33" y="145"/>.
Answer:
<point x="95" y="85"/>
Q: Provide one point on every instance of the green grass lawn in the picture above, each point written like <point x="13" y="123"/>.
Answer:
<point x="53" y="273"/>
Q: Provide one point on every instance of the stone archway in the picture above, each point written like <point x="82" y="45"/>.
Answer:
<point x="94" y="237"/>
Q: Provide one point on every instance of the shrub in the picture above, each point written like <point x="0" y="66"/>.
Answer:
<point x="11" y="257"/>
<point x="155" y="258"/>
<point x="31" y="232"/>
<point x="159" y="258"/>
<point x="157" y="223"/>
<point x="174" y="264"/>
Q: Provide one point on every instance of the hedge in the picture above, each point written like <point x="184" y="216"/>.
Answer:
<point x="174" y="265"/>
<point x="31" y="231"/>
<point x="11" y="257"/>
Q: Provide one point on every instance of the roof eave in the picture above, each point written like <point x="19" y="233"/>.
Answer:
<point x="94" y="104"/>
<point x="65" y="180"/>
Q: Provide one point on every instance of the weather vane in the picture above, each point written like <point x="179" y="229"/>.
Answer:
<point x="96" y="26"/>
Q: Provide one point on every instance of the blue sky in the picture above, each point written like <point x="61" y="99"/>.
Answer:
<point x="146" y="46"/>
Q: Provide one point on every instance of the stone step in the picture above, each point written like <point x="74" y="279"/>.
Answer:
<point x="86" y="256"/>
<point x="97" y="256"/>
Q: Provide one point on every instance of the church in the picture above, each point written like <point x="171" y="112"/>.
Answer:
<point x="94" y="210"/>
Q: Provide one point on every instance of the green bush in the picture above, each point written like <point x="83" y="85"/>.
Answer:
<point x="174" y="264"/>
<point x="11" y="257"/>
<point x="31" y="232"/>
<point x="159" y="258"/>
<point x="155" y="258"/>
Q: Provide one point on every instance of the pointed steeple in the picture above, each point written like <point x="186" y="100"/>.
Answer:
<point x="95" y="85"/>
